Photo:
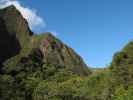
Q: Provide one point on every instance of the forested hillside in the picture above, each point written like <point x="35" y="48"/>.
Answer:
<point x="41" y="67"/>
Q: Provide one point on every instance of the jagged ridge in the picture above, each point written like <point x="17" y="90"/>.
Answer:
<point x="21" y="42"/>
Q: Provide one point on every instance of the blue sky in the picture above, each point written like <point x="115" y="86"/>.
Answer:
<point x="95" y="29"/>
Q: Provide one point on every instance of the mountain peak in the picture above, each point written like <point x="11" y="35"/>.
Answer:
<point x="14" y="32"/>
<point x="11" y="7"/>
<point x="56" y="52"/>
<point x="14" y="21"/>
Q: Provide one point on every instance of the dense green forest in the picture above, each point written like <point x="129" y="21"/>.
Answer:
<point x="41" y="67"/>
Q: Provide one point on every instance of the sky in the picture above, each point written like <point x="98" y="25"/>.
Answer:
<point x="95" y="29"/>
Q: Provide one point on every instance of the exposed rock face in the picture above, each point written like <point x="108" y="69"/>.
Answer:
<point x="57" y="53"/>
<point x="9" y="45"/>
<point x="14" y="32"/>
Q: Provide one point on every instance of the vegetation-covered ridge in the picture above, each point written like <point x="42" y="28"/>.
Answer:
<point x="41" y="67"/>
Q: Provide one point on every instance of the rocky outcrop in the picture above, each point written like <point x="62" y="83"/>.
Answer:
<point x="14" y="32"/>
<point x="16" y="38"/>
<point x="9" y="44"/>
<point x="57" y="53"/>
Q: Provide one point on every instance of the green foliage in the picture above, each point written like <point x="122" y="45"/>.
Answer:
<point x="67" y="90"/>
<point x="123" y="94"/>
<point x="34" y="79"/>
<point x="122" y="65"/>
<point x="57" y="72"/>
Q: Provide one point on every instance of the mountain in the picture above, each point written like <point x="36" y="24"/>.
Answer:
<point x="42" y="67"/>
<point x="16" y="39"/>
<point x="24" y="55"/>
<point x="14" y="33"/>
<point x="122" y="65"/>
<point x="66" y="57"/>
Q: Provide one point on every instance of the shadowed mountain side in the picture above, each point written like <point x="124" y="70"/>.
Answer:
<point x="9" y="44"/>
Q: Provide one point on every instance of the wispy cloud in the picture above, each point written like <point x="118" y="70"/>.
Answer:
<point x="54" y="33"/>
<point x="34" y="20"/>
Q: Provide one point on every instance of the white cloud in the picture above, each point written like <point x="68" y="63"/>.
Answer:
<point x="54" y="33"/>
<point x="30" y="15"/>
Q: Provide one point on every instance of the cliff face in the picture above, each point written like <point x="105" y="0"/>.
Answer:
<point x="14" y="33"/>
<point x="9" y="44"/>
<point x="16" y="38"/>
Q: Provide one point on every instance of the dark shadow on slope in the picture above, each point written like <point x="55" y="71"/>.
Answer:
<point x="9" y="45"/>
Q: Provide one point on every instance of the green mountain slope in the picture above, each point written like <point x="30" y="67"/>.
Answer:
<point x="41" y="67"/>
